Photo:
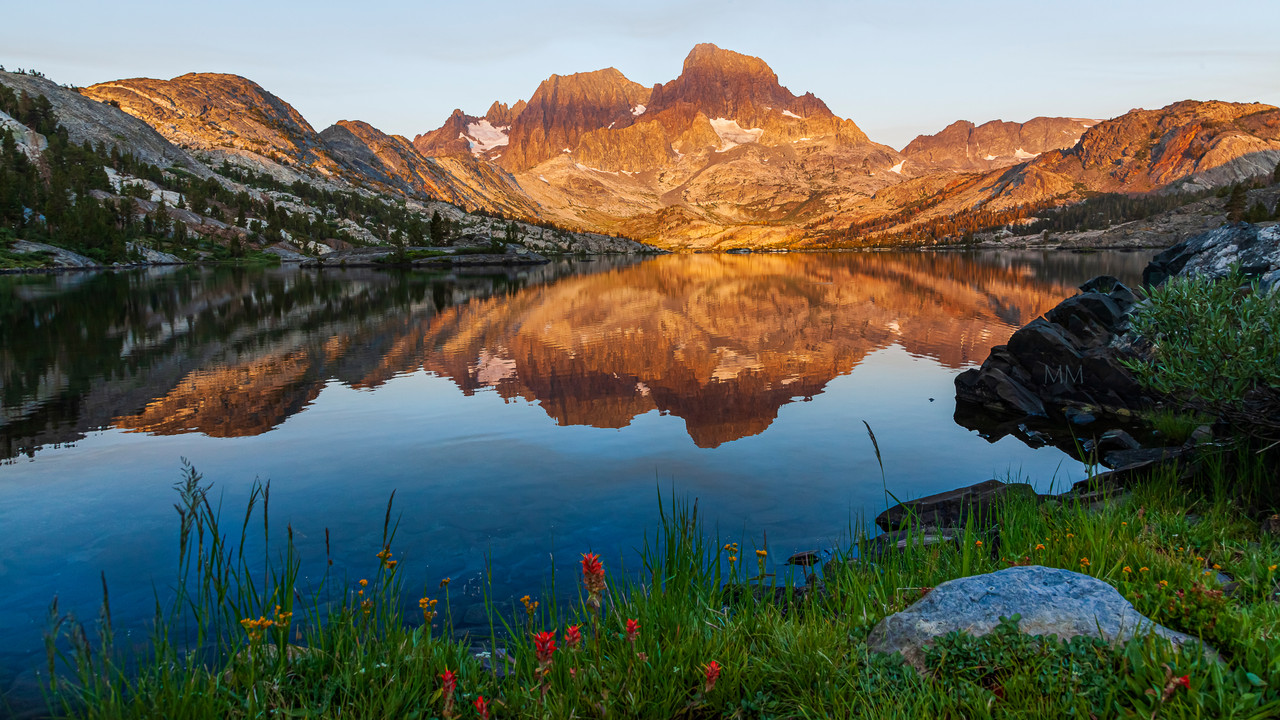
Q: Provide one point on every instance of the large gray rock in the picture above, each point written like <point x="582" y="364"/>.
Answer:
<point x="58" y="257"/>
<point x="1213" y="254"/>
<point x="1050" y="602"/>
<point x="152" y="256"/>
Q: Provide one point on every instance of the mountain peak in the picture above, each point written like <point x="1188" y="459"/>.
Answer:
<point x="726" y="84"/>
<point x="707" y="55"/>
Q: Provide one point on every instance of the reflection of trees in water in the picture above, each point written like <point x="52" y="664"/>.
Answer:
<point x="78" y="351"/>
<point x="721" y="341"/>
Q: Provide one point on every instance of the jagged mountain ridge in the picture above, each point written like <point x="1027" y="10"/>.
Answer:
<point x="724" y="155"/>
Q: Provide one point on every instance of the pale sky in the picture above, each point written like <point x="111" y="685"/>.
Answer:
<point x="897" y="68"/>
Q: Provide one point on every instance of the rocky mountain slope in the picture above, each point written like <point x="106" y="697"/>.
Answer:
<point x="228" y="118"/>
<point x="152" y="201"/>
<point x="222" y="115"/>
<point x="1184" y="147"/>
<point x="87" y="120"/>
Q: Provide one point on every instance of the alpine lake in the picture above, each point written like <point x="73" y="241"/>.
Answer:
<point x="521" y="416"/>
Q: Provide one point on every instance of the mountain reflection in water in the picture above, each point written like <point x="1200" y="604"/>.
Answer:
<point x="720" y="341"/>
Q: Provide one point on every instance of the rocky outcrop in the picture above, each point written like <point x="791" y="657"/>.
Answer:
<point x="385" y="257"/>
<point x="88" y="120"/>
<point x="1254" y="249"/>
<point x="218" y="112"/>
<point x="1067" y="359"/>
<point x="964" y="147"/>
<point x="54" y="256"/>
<point x="1044" y="601"/>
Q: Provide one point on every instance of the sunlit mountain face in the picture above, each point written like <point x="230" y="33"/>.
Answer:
<point x="719" y="341"/>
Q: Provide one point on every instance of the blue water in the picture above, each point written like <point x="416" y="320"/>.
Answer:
<point x="523" y="416"/>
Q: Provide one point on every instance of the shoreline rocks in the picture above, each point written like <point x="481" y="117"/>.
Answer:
<point x="384" y="257"/>
<point x="1255" y="249"/>
<point x="1066" y="363"/>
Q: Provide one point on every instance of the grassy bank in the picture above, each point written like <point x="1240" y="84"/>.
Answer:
<point x="681" y="638"/>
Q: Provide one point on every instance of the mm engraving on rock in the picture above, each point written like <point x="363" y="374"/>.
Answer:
<point x="1066" y="374"/>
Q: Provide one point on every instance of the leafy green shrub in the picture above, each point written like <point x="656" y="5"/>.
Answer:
<point x="1212" y="340"/>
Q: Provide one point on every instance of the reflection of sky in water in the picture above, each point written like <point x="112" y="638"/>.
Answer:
<point x="477" y="474"/>
<point x="489" y="472"/>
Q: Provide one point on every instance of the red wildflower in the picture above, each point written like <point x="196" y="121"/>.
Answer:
<point x="633" y="627"/>
<point x="545" y="644"/>
<point x="482" y="707"/>
<point x="713" y="674"/>
<point x="592" y="573"/>
<point x="449" y="680"/>
<point x="572" y="636"/>
<point x="1184" y="681"/>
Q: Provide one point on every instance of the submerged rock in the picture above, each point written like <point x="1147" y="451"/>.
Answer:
<point x="1049" y="601"/>
<point x="954" y="508"/>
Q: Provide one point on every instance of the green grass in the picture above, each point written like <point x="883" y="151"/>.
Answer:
<point x="363" y="656"/>
<point x="1175" y="426"/>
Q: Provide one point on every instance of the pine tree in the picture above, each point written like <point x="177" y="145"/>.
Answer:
<point x="1236" y="203"/>
<point x="437" y="229"/>
<point x="1275" y="176"/>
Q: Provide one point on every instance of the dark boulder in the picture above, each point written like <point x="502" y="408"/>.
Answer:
<point x="1070" y="358"/>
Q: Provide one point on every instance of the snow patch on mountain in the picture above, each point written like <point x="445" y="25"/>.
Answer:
<point x="732" y="134"/>
<point x="1023" y="154"/>
<point x="898" y="168"/>
<point x="482" y="136"/>
<point x="638" y="110"/>
<point x="790" y="114"/>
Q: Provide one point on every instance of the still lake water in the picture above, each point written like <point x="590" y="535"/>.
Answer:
<point x="525" y="415"/>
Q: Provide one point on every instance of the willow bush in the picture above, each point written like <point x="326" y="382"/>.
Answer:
<point x="1212" y="340"/>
